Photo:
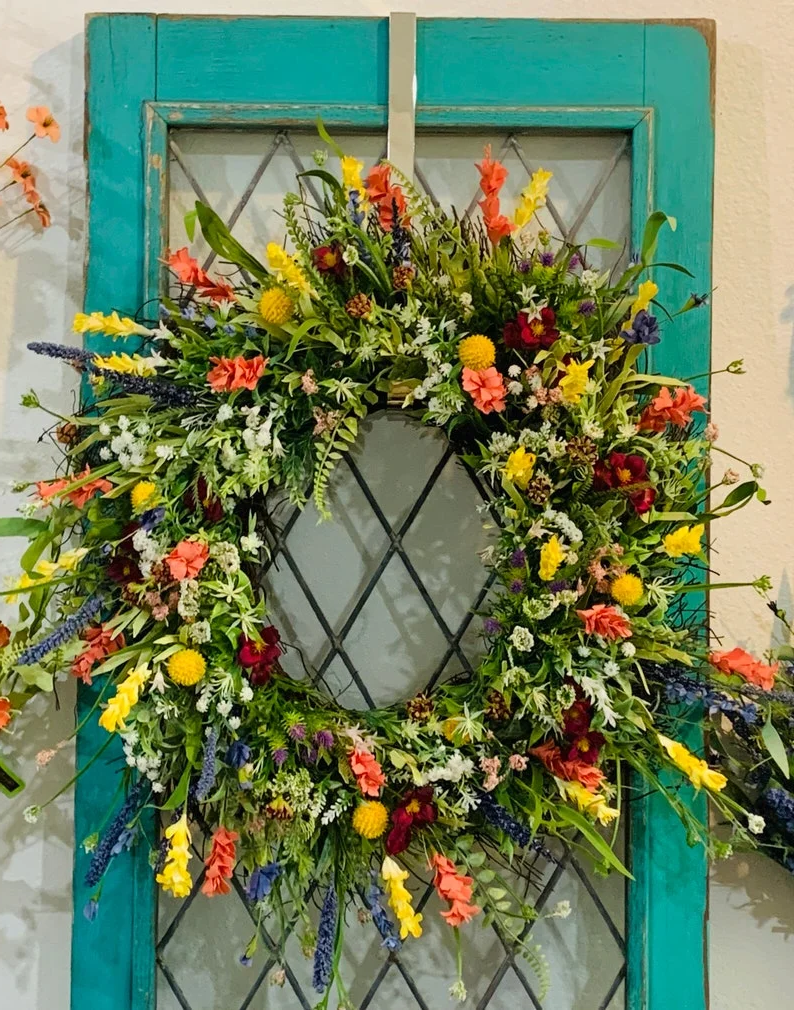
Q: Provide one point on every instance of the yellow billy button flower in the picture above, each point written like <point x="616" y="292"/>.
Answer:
<point x="370" y="819"/>
<point x="593" y="804"/>
<point x="574" y="382"/>
<point x="684" y="540"/>
<point x="627" y="590"/>
<point x="114" y="325"/>
<point x="276" y="307"/>
<point x="143" y="495"/>
<point x="400" y="898"/>
<point x="186" y="667"/>
<point x="695" y="769"/>
<point x="477" y="352"/>
<point x="286" y="267"/>
<point x="175" y="876"/>
<point x="520" y="466"/>
<point x="533" y="197"/>
<point x="552" y="555"/>
<point x="127" y="694"/>
<point x="128" y="364"/>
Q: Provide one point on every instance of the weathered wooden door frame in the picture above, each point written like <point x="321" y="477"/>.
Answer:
<point x="146" y="73"/>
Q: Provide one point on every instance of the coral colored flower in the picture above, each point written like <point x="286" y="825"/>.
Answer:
<point x="185" y="266"/>
<point x="574" y="770"/>
<point x="5" y="712"/>
<point x="606" y="621"/>
<point x="386" y="197"/>
<point x="673" y="408"/>
<point x="5" y="635"/>
<point x="745" y="665"/>
<point x="187" y="559"/>
<point x="523" y="333"/>
<point x="44" y="124"/>
<point x="497" y="224"/>
<point x="492" y="173"/>
<point x="684" y="540"/>
<point x="44" y="216"/>
<point x="486" y="389"/>
<point x="415" y="809"/>
<point x="3" y="118"/>
<point x="100" y="643"/>
<point x="80" y="496"/>
<point x="220" y="863"/>
<point x="236" y="373"/>
<point x="369" y="774"/>
<point x="22" y="173"/>
<point x="454" y="887"/>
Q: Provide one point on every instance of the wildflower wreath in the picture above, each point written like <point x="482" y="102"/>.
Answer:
<point x="256" y="382"/>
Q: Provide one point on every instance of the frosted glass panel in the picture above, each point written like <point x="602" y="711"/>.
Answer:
<point x="394" y="581"/>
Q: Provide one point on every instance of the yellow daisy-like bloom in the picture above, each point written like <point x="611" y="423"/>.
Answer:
<point x="627" y="590"/>
<point x="552" y="555"/>
<point x="684" y="540"/>
<point x="574" y="382"/>
<point x="520" y="467"/>
<point x="127" y="694"/>
<point x="477" y="352"/>
<point x="286" y="267"/>
<point x="127" y="364"/>
<point x="695" y="769"/>
<point x="351" y="169"/>
<point x="186" y="667"/>
<point x="175" y="876"/>
<point x="143" y="495"/>
<point x="370" y="819"/>
<point x="400" y="898"/>
<point x="276" y="307"/>
<point x="593" y="804"/>
<point x="533" y="197"/>
<point x="114" y="325"/>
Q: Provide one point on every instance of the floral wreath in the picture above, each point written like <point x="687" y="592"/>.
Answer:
<point x="531" y="362"/>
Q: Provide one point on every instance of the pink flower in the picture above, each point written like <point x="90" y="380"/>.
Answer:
<point x="486" y="389"/>
<point x="517" y="762"/>
<point x="491" y="766"/>
<point x="606" y="621"/>
<point x="44" y="124"/>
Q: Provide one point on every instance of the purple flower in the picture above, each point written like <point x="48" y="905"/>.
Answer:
<point x="207" y="778"/>
<point x="524" y="266"/>
<point x="309" y="755"/>
<point x="238" y="754"/>
<point x="70" y="628"/>
<point x="104" y="852"/>
<point x="374" y="898"/>
<point x="246" y="960"/>
<point x="559" y="586"/>
<point x="280" y="755"/>
<point x="151" y="518"/>
<point x="261" y="881"/>
<point x="644" y="329"/>
<point x="517" y="586"/>
<point x="491" y="626"/>
<point x="587" y="307"/>
<point x="210" y="322"/>
<point x="518" y="558"/>
<point x="498" y="817"/>
<point x="547" y="258"/>
<point x="574" y="261"/>
<point x="124" y="843"/>
<point x="297" y="732"/>
<point x="324" y="738"/>
<point x="326" y="935"/>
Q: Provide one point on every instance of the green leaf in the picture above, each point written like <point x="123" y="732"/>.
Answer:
<point x="327" y="178"/>
<point x="177" y="797"/>
<point x="672" y="266"/>
<point x="329" y="140"/>
<point x="16" y="526"/>
<point x="650" y="237"/>
<point x="741" y="493"/>
<point x="775" y="746"/>
<point x="220" y="239"/>
<point x="36" y="676"/>
<point x="580" y="822"/>
<point x="190" y="224"/>
<point x="603" y="243"/>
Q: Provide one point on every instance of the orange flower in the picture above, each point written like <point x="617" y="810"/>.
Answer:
<point x="42" y="213"/>
<point x="745" y="665"/>
<point x="574" y="770"/>
<point x="5" y="712"/>
<point x="101" y="642"/>
<point x="220" y="863"/>
<point x="22" y="172"/>
<point x="47" y="488"/>
<point x="3" y="118"/>
<point x="187" y="559"/>
<point x="369" y="774"/>
<point x="5" y="635"/>
<point x="455" y="888"/>
<point x="236" y="373"/>
<point x="486" y="388"/>
<point x="605" y="620"/>
<point x="44" y="124"/>
<point x="492" y="173"/>
<point x="82" y="495"/>
<point x="385" y="196"/>
<point x="676" y="409"/>
<point x="189" y="272"/>
<point x="492" y="178"/>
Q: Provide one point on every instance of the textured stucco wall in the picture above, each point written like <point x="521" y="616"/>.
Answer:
<point x="752" y="902"/>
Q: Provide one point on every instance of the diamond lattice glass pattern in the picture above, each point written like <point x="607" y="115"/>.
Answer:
<point x="381" y="601"/>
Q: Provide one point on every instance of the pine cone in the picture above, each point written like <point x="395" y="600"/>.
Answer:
<point x="402" y="277"/>
<point x="497" y="708"/>
<point x="539" y="489"/>
<point x="68" y="434"/>
<point x="419" y="708"/>
<point x="359" y="306"/>
<point x="582" y="451"/>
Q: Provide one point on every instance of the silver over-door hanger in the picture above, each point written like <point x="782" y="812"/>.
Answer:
<point x="402" y="91"/>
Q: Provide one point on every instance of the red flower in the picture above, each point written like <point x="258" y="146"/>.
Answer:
<point x="328" y="259"/>
<point x="259" y="658"/>
<point x="100" y="643"/>
<point x="523" y="333"/>
<point x="123" y="569"/>
<point x="574" y="770"/>
<point x="386" y="197"/>
<point x="236" y="373"/>
<point x="414" y="810"/>
<point x="745" y="665"/>
<point x="189" y="272"/>
<point x="584" y="744"/>
<point x="627" y="472"/>
<point x="211" y="506"/>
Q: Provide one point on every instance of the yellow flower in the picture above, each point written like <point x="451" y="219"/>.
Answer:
<point x="477" y="352"/>
<point x="695" y="769"/>
<point x="286" y="267"/>
<point x="143" y="495"/>
<point x="370" y="819"/>
<point x="276" y="306"/>
<point x="400" y="898"/>
<point x="351" y="173"/>
<point x="46" y="568"/>
<point x="627" y="590"/>
<point x="186" y="667"/>
<point x="646" y="292"/>
<point x="533" y="197"/>
<point x="127" y="694"/>
<point x="114" y="325"/>
<point x="593" y="804"/>
<point x="519" y="467"/>
<point x="552" y="555"/>
<point x="574" y="382"/>
<point x="175" y="876"/>
<point x="23" y="582"/>
<point x="68" y="561"/>
<point x="128" y="364"/>
<point x="684" y="540"/>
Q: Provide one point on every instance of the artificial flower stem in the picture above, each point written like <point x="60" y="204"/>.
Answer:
<point x="7" y="224"/>
<point x="21" y="146"/>
<point x="78" y="774"/>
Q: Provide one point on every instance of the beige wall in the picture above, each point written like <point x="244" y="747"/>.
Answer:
<point x="41" y="62"/>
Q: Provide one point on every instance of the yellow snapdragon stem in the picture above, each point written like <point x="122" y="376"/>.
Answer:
<point x="175" y="876"/>
<point x="127" y="694"/>
<point x="114" y="325"/>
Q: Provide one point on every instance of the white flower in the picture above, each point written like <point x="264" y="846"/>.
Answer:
<point x="203" y="700"/>
<point x="225" y="413"/>
<point x="200" y="632"/>
<point x="583" y="651"/>
<point x="628" y="649"/>
<point x="593" y="430"/>
<point x="164" y="451"/>
<point x="611" y="668"/>
<point x="350" y="255"/>
<point x="521" y="638"/>
<point x="515" y="388"/>
<point x="465" y="299"/>
<point x="501" y="442"/>
<point x="234" y="722"/>
<point x="246" y="693"/>
<point x="756" y="824"/>
<point x="251" y="543"/>
<point x="105" y="453"/>
<point x="104" y="429"/>
<point x="627" y="430"/>
<point x="514" y="371"/>
<point x="158" y="682"/>
<point x="124" y="423"/>
<point x="589" y="280"/>
<point x="224" y="708"/>
<point x="31" y="814"/>
<point x="158" y="787"/>
<point x="458" y="991"/>
<point x="561" y="910"/>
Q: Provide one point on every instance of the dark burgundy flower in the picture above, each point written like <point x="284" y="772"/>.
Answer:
<point x="625" y="471"/>
<point x="328" y="259"/>
<point x="123" y="569"/>
<point x="523" y="333"/>
<point x="259" y="658"/>
<point x="212" y="507"/>
<point x="414" y="810"/>
<point x="643" y="500"/>
<point x="581" y="742"/>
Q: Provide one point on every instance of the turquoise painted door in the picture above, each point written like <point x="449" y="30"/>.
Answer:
<point x="625" y="109"/>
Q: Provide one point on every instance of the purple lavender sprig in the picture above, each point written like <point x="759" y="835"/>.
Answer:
<point x="326" y="935"/>
<point x="163" y="392"/>
<point x="70" y="627"/>
<point x="64" y="351"/>
<point x="386" y="928"/>
<point x="107" y="846"/>
<point x="498" y="817"/>
<point x="206" y="779"/>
